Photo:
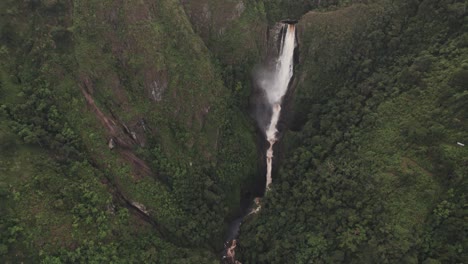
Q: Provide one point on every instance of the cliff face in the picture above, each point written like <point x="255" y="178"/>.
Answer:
<point x="236" y="33"/>
<point x="212" y="18"/>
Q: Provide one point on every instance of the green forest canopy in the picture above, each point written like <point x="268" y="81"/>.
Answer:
<point x="370" y="169"/>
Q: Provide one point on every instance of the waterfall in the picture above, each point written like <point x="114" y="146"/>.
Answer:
<point x="274" y="83"/>
<point x="276" y="90"/>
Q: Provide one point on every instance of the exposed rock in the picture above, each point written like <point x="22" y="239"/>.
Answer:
<point x="206" y="14"/>
<point x="111" y="143"/>
<point x="140" y="207"/>
<point x="290" y="21"/>
<point x="208" y="17"/>
<point x="115" y="132"/>
<point x="111" y="208"/>
<point x="157" y="91"/>
<point x="257" y="206"/>
<point x="143" y="124"/>
<point x="230" y="256"/>
<point x="240" y="7"/>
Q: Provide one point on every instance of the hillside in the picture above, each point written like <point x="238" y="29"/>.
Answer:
<point x="119" y="137"/>
<point x="372" y="172"/>
<point x="126" y="132"/>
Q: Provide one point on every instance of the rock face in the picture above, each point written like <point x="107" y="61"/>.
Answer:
<point x="230" y="256"/>
<point x="111" y="143"/>
<point x="211" y="18"/>
<point x="235" y="31"/>
<point x="141" y="208"/>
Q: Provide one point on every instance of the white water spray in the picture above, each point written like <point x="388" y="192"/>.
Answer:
<point x="276" y="88"/>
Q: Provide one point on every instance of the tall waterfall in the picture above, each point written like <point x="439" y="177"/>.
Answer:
<point x="277" y="89"/>
<point x="274" y="82"/>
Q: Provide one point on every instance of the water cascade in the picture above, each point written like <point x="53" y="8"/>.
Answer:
<point x="274" y="83"/>
<point x="275" y="90"/>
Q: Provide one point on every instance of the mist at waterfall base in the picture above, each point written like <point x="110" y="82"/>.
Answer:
<point x="274" y="82"/>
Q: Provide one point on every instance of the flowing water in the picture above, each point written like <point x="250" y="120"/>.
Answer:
<point x="276" y="91"/>
<point x="275" y="87"/>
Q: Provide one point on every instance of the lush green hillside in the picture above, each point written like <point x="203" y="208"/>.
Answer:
<point x="76" y="74"/>
<point x="373" y="172"/>
<point x="125" y="134"/>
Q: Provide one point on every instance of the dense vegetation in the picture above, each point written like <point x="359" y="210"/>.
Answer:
<point x="372" y="171"/>
<point x="79" y="75"/>
<point x="370" y="168"/>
